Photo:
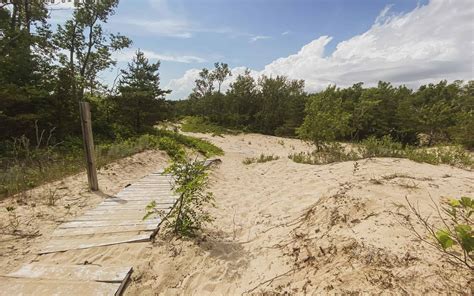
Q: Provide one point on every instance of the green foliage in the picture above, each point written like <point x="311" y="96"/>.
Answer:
<point x="383" y="147"/>
<point x="25" y="165"/>
<point x="325" y="119"/>
<point x="386" y="147"/>
<point x="196" y="124"/>
<point x="455" y="239"/>
<point x="439" y="112"/>
<point x="333" y="152"/>
<point x="140" y="103"/>
<point x="204" y="147"/>
<point x="261" y="159"/>
<point x="190" y="213"/>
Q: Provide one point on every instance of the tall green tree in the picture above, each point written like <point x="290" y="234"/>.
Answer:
<point x="220" y="73"/>
<point x="141" y="100"/>
<point x="88" y="50"/>
<point x="325" y="119"/>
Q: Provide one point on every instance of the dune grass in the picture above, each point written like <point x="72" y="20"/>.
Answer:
<point x="197" y="124"/>
<point x="385" y="147"/>
<point x="24" y="166"/>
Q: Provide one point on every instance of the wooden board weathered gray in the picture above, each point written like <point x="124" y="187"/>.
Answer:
<point x="116" y="220"/>
<point x="60" y="279"/>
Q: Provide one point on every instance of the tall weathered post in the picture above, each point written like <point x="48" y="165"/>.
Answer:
<point x="86" y="123"/>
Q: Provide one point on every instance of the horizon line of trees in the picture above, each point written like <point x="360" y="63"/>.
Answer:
<point x="434" y="113"/>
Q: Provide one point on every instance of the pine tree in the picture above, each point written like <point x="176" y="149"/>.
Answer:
<point x="141" y="99"/>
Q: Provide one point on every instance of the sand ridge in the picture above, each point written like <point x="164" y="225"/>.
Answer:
<point x="287" y="228"/>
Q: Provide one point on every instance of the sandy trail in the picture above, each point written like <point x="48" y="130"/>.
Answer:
<point x="282" y="227"/>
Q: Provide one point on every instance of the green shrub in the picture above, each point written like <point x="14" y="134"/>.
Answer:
<point x="333" y="152"/>
<point x="261" y="159"/>
<point x="189" y="214"/>
<point x="196" y="124"/>
<point x="455" y="238"/>
<point x="383" y="147"/>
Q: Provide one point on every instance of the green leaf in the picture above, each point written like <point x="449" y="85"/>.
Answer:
<point x="444" y="239"/>
<point x="467" y="202"/>
<point x="147" y="215"/>
<point x="454" y="203"/>
<point x="464" y="232"/>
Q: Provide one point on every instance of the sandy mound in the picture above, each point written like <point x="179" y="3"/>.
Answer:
<point x="283" y="227"/>
<point x="280" y="227"/>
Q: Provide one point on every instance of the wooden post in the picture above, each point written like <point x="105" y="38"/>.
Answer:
<point x="86" y="123"/>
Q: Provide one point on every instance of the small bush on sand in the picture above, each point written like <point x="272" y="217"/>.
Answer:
<point x="196" y="124"/>
<point x="386" y="147"/>
<point x="189" y="213"/>
<point x="333" y="152"/>
<point x="455" y="237"/>
<point x="261" y="159"/>
<point x="383" y="147"/>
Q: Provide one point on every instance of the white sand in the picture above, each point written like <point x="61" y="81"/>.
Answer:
<point x="282" y="227"/>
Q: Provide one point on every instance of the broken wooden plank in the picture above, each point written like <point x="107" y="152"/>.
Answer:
<point x="102" y="230"/>
<point x="59" y="245"/>
<point x="26" y="286"/>
<point x="75" y="224"/>
<point x="72" y="272"/>
<point x="125" y="203"/>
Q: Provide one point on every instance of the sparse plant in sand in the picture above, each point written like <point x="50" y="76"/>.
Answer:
<point x="52" y="196"/>
<point x="261" y="159"/>
<point x="333" y="152"/>
<point x="13" y="222"/>
<point x="189" y="214"/>
<point x="455" y="237"/>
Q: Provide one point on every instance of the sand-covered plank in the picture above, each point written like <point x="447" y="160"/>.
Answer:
<point x="25" y="286"/>
<point x="75" y="224"/>
<point x="64" y="244"/>
<point x="72" y="272"/>
<point x="103" y="230"/>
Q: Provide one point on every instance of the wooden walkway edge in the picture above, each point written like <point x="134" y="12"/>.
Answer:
<point x="116" y="220"/>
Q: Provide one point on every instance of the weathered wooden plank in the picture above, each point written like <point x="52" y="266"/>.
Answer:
<point x="138" y="216"/>
<point x="100" y="217"/>
<point x="72" y="272"/>
<point x="130" y="208"/>
<point x="25" y="286"/>
<point x="102" y="230"/>
<point x="124" y="211"/>
<point x="75" y="224"/>
<point x="133" y="197"/>
<point x="126" y="202"/>
<point x="59" y="245"/>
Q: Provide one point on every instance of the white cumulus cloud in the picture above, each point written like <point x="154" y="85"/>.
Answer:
<point x="430" y="43"/>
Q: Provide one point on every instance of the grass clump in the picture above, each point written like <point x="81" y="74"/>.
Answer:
<point x="261" y="159"/>
<point x="334" y="152"/>
<point x="385" y="147"/>
<point x="25" y="165"/>
<point x="197" y="124"/>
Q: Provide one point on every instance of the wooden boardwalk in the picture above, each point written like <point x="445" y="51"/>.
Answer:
<point x="114" y="221"/>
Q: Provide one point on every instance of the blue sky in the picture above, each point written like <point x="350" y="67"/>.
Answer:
<point x="189" y="35"/>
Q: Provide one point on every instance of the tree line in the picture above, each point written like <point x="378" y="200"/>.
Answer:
<point x="46" y="71"/>
<point x="434" y="113"/>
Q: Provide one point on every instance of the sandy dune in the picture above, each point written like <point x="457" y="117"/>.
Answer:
<point x="286" y="227"/>
<point x="280" y="227"/>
